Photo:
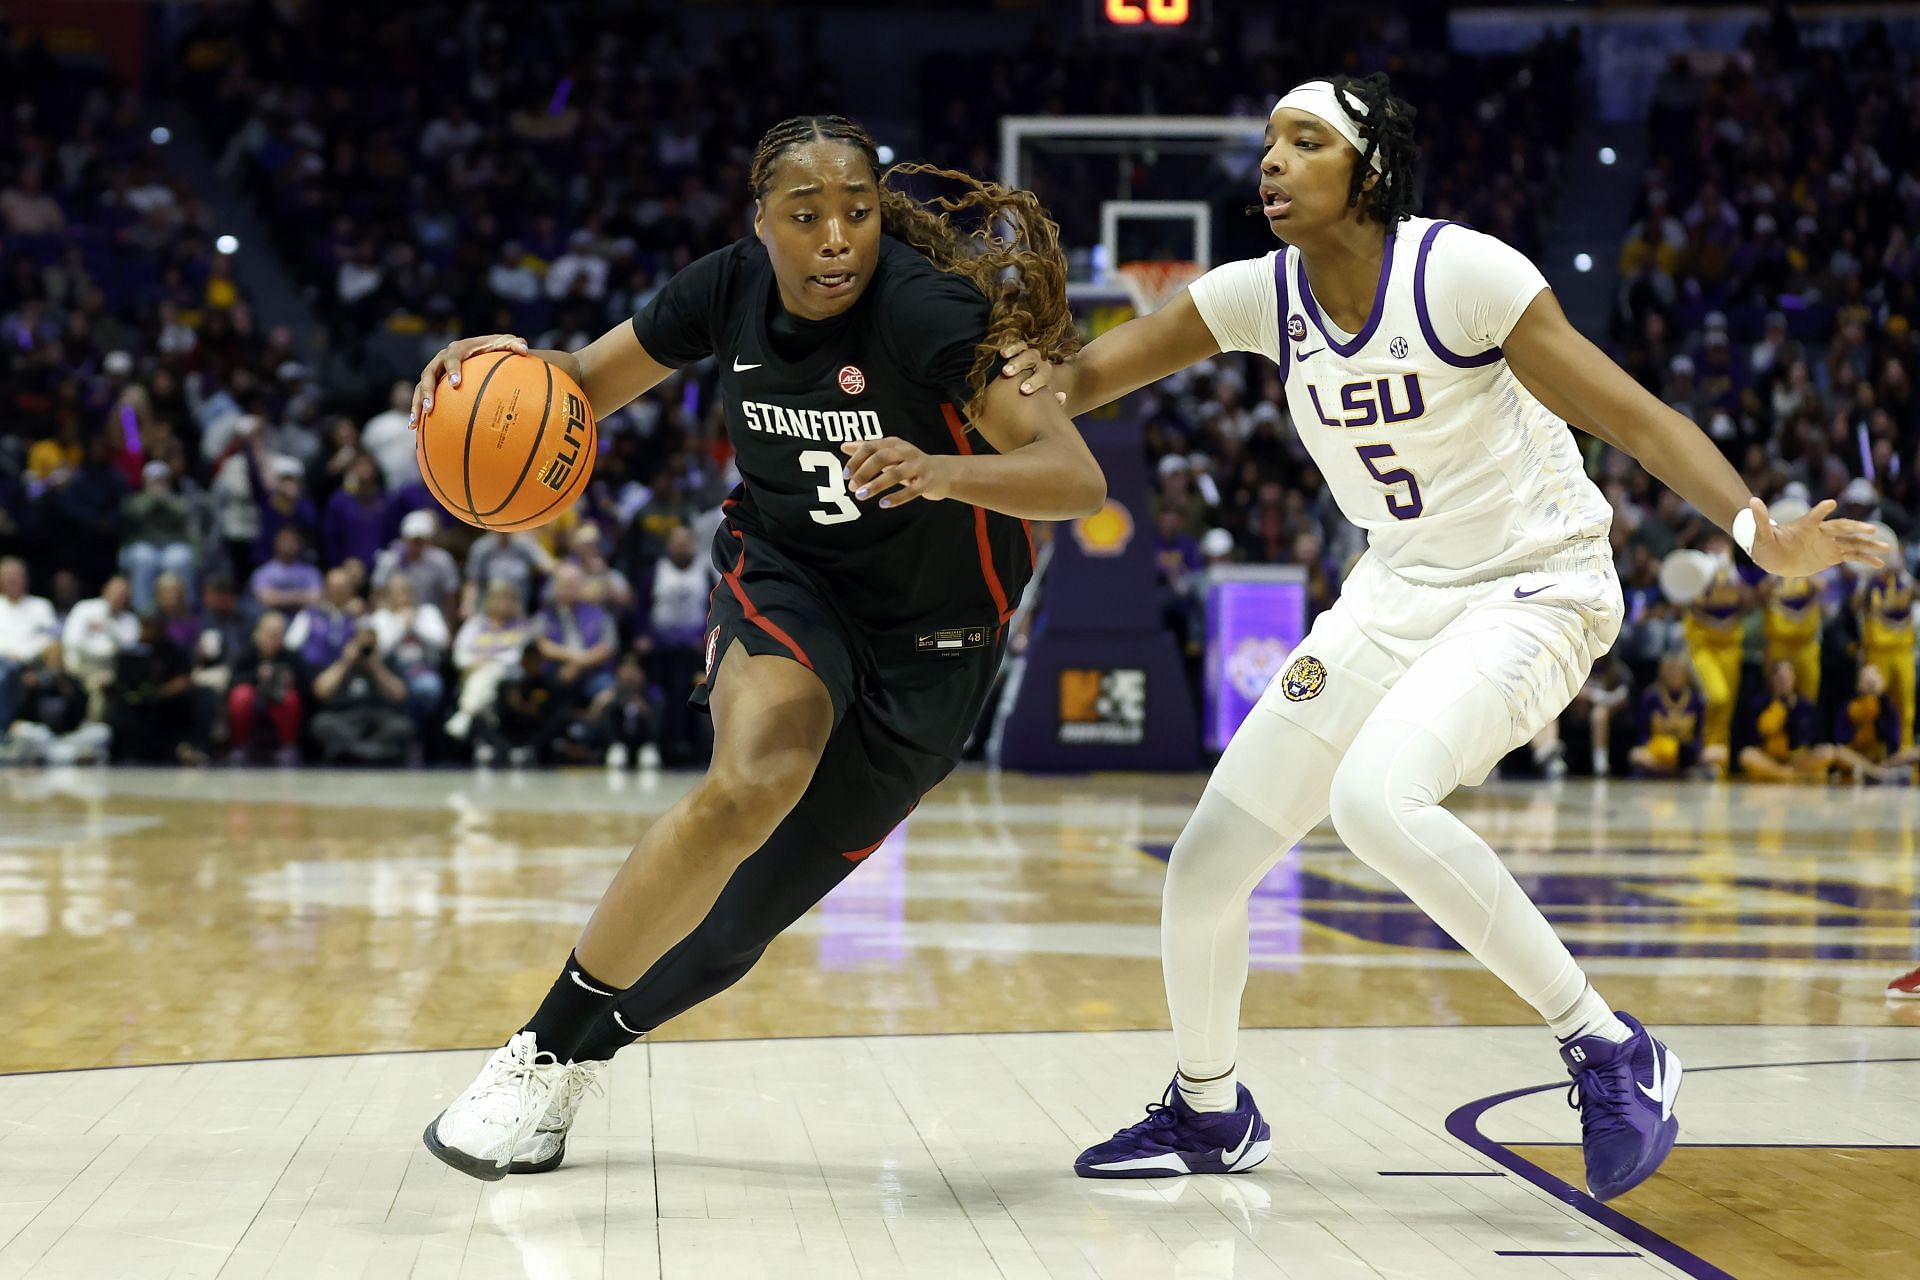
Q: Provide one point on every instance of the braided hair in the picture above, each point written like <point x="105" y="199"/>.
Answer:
<point x="1386" y="124"/>
<point x="1012" y="256"/>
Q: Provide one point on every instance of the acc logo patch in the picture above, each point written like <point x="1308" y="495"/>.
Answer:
<point x="1106" y="532"/>
<point x="1304" y="678"/>
<point x="1297" y="327"/>
<point x="1399" y="348"/>
<point x="852" y="381"/>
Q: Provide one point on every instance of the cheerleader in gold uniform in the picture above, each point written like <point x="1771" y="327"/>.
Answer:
<point x="1713" y="627"/>
<point x="1792" y="623"/>
<point x="1885" y="601"/>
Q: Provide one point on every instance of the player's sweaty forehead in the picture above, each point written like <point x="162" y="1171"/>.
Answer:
<point x="823" y="166"/>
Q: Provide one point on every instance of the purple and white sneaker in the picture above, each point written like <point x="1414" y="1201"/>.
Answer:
<point x="1625" y="1094"/>
<point x="1175" y="1139"/>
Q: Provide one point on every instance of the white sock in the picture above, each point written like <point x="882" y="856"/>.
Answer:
<point x="1217" y="1094"/>
<point x="1589" y="1016"/>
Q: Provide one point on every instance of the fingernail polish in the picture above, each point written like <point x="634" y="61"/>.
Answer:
<point x="885" y="503"/>
<point x="427" y="405"/>
<point x="861" y="493"/>
<point x="455" y="379"/>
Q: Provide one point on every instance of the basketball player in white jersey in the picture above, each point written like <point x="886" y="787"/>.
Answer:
<point x="1430" y="373"/>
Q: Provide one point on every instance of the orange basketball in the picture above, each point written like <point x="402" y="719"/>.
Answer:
<point x="511" y="447"/>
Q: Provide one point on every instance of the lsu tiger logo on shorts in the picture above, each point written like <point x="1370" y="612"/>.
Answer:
<point x="1304" y="678"/>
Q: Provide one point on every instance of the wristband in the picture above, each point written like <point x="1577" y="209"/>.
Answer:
<point x="1745" y="526"/>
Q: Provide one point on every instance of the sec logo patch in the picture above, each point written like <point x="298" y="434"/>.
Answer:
<point x="852" y="381"/>
<point x="1304" y="678"/>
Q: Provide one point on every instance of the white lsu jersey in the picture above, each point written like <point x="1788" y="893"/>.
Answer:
<point x="1426" y="439"/>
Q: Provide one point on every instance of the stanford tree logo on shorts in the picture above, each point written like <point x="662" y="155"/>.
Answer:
<point x="713" y="643"/>
<point x="852" y="381"/>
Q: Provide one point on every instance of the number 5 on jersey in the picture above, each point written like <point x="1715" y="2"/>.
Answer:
<point x="834" y="492"/>
<point x="1398" y="509"/>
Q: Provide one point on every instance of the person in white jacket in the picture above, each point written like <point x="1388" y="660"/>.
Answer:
<point x="412" y="638"/>
<point x="487" y="648"/>
<point x="97" y="632"/>
<point x="27" y="623"/>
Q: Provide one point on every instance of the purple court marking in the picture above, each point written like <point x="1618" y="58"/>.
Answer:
<point x="1464" y="1124"/>
<point x="1442" y="1173"/>
<point x="1564" y="1253"/>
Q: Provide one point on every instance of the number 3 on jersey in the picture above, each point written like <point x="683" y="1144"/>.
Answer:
<point x="1398" y="509"/>
<point x="834" y="491"/>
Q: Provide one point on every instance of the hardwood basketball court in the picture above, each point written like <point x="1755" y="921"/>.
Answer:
<point x="237" y="996"/>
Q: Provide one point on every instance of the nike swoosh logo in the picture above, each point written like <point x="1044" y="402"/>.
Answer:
<point x="1518" y="594"/>
<point x="1302" y="355"/>
<point x="581" y="982"/>
<point x="1231" y="1158"/>
<point x="623" y="1025"/>
<point x="1660" y="1092"/>
<point x="742" y="368"/>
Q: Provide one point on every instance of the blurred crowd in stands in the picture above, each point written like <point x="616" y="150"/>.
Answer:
<point x="229" y="541"/>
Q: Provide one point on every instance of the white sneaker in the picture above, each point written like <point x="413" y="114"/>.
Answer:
<point x="649" y="756"/>
<point x="459" y="724"/>
<point x="479" y="1133"/>
<point x="517" y="756"/>
<point x="617" y="756"/>
<point x="484" y="754"/>
<point x="546" y="1146"/>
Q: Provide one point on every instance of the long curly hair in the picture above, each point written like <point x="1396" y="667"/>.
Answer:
<point x="1010" y="249"/>
<point x="1386" y="125"/>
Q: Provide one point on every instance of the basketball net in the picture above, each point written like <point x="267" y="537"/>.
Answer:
<point x="1152" y="283"/>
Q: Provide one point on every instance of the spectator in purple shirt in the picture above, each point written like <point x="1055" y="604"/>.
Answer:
<point x="320" y="631"/>
<point x="286" y="582"/>
<point x="178" y="618"/>
<point x="355" y="525"/>
<point x="576" y="635"/>
<point x="283" y="505"/>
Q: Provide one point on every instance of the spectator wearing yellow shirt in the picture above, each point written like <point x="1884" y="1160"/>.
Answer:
<point x="1783" y="739"/>
<point x="1792" y="623"/>
<point x="1714" y="628"/>
<point x="1885" y="604"/>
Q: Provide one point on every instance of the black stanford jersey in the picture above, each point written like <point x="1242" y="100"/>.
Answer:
<point x="895" y="364"/>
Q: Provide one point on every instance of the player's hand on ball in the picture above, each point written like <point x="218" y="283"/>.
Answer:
<point x="895" y="469"/>
<point x="1034" y="371"/>
<point x="447" y="362"/>
<point x="1800" y="548"/>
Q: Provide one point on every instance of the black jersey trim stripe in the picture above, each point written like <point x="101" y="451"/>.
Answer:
<point x="753" y="614"/>
<point x="988" y="571"/>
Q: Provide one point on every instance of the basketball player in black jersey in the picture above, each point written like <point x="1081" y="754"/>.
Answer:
<point x="869" y="561"/>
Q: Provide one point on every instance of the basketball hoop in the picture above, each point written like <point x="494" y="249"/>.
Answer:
<point x="1152" y="283"/>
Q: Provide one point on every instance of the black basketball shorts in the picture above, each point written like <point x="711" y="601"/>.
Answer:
<point x="904" y="702"/>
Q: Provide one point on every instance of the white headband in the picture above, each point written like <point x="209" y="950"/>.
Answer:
<point x="1317" y="98"/>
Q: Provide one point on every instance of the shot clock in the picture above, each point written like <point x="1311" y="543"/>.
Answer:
<point x="1149" y="17"/>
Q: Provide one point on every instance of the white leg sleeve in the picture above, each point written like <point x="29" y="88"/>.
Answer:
<point x="1269" y="790"/>
<point x="1386" y="806"/>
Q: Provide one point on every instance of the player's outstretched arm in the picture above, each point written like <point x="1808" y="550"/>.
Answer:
<point x="1125" y="358"/>
<point x="1577" y="381"/>
<point x="614" y="369"/>
<point x="1042" y="469"/>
